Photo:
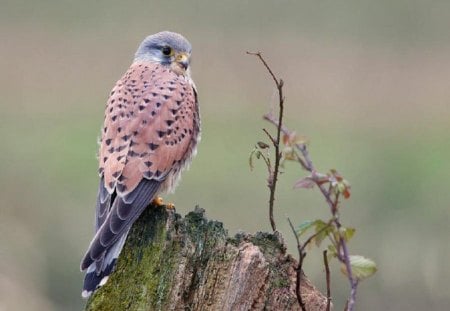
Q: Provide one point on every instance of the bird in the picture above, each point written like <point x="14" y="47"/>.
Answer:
<point x="150" y="134"/>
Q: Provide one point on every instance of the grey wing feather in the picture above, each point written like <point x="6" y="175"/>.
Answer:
<point x="103" y="204"/>
<point x="123" y="212"/>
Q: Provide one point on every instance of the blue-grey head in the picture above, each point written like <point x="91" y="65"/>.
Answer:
<point x="167" y="48"/>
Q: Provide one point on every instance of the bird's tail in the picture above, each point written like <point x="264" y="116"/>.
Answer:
<point x="98" y="272"/>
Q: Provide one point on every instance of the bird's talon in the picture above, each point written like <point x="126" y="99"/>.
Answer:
<point x="170" y="206"/>
<point x="158" y="201"/>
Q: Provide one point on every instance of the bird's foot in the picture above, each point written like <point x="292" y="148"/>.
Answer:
<point x="158" y="201"/>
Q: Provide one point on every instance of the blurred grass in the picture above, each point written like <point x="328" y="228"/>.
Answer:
<point x="366" y="81"/>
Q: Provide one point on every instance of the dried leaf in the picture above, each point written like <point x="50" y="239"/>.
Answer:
<point x="262" y="145"/>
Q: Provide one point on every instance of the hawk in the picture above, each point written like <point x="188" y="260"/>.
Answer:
<point x="150" y="135"/>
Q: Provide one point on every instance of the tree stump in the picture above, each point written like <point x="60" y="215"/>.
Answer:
<point x="174" y="263"/>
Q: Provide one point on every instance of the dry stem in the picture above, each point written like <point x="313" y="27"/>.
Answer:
<point x="272" y="180"/>
<point x="327" y="273"/>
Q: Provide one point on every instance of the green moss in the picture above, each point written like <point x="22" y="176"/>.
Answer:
<point x="280" y="282"/>
<point x="269" y="243"/>
<point x="145" y="250"/>
<point x="150" y="249"/>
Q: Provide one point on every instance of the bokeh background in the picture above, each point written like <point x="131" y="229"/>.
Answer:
<point x="367" y="81"/>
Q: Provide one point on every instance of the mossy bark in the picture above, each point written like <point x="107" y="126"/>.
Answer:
<point x="175" y="263"/>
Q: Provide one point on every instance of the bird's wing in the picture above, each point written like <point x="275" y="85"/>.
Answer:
<point x="150" y="125"/>
<point x="118" y="221"/>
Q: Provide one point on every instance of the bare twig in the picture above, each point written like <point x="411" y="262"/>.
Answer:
<point x="272" y="181"/>
<point x="259" y="55"/>
<point x="273" y="140"/>
<point x="327" y="273"/>
<point x="342" y="250"/>
<point x="301" y="256"/>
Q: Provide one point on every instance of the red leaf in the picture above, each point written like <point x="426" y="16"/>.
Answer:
<point x="346" y="193"/>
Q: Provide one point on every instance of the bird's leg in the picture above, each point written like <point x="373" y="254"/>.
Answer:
<point x="158" y="201"/>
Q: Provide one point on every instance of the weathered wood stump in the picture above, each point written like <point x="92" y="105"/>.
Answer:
<point x="175" y="263"/>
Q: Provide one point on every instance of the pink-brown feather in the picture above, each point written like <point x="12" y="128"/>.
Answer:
<point x="151" y="128"/>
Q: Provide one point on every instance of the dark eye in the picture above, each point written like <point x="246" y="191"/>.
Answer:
<point x="166" y="50"/>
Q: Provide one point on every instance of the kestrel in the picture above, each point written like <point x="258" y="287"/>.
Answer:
<point x="150" y="135"/>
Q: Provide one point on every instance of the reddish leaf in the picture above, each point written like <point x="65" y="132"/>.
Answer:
<point x="346" y="193"/>
<point x="306" y="183"/>
<point x="285" y="139"/>
<point x="321" y="178"/>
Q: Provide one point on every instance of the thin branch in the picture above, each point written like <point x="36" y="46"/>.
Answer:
<point x="267" y="161"/>
<point x="259" y="55"/>
<point x="301" y="256"/>
<point x="300" y="160"/>
<point x="276" y="142"/>
<point x="270" y="137"/>
<point x="327" y="273"/>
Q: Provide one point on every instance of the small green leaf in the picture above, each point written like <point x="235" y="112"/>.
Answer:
<point x="320" y="224"/>
<point x="322" y="229"/>
<point x="331" y="251"/>
<point x="305" y="226"/>
<point x="347" y="233"/>
<point x="362" y="267"/>
<point x="340" y="187"/>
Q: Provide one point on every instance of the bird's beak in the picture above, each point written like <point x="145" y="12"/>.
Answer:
<point x="183" y="60"/>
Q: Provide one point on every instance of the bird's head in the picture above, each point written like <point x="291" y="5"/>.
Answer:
<point x="166" y="48"/>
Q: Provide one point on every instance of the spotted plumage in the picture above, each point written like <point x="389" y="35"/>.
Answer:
<point x="150" y="133"/>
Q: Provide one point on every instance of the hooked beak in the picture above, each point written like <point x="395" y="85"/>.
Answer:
<point x="183" y="60"/>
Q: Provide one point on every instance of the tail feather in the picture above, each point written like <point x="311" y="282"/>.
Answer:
<point x="113" y="223"/>
<point x="98" y="272"/>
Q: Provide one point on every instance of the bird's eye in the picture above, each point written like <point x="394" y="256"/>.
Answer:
<point x="166" y="50"/>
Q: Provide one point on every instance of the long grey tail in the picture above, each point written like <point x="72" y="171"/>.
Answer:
<point x="113" y="225"/>
<point x="97" y="274"/>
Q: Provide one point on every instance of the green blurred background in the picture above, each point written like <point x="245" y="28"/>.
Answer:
<point x="367" y="81"/>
